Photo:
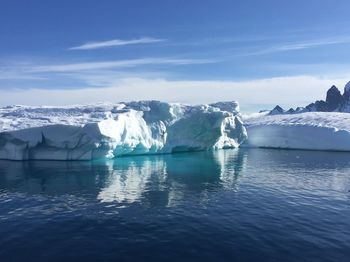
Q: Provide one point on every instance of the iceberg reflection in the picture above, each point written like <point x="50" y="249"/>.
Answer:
<point x="155" y="180"/>
<point x="168" y="180"/>
<point x="139" y="178"/>
<point x="129" y="178"/>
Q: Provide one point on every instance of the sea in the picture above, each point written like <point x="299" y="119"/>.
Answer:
<point x="226" y="205"/>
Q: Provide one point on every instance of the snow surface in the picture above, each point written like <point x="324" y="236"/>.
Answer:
<point x="111" y="130"/>
<point x="311" y="130"/>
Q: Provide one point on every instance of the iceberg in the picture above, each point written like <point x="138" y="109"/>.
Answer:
<point x="310" y="131"/>
<point x="89" y="132"/>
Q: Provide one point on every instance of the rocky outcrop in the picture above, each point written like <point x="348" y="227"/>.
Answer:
<point x="335" y="102"/>
<point x="277" y="110"/>
<point x="334" y="98"/>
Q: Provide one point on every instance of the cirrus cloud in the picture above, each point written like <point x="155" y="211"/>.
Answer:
<point x="116" y="42"/>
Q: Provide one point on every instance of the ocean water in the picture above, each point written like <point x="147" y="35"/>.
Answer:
<point x="229" y="205"/>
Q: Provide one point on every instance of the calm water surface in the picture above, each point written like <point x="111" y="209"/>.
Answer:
<point x="231" y="205"/>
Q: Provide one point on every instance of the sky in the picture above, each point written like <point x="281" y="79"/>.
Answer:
<point x="259" y="53"/>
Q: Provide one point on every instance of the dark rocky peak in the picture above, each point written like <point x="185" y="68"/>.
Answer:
<point x="346" y="94"/>
<point x="299" y="109"/>
<point x="334" y="99"/>
<point x="277" y="110"/>
<point x="347" y="86"/>
<point x="318" y="106"/>
<point x="335" y="102"/>
<point x="290" y="111"/>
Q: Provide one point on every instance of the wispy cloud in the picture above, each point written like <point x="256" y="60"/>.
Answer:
<point x="311" y="44"/>
<point x="74" y="67"/>
<point x="283" y="46"/>
<point x="303" y="45"/>
<point x="116" y="42"/>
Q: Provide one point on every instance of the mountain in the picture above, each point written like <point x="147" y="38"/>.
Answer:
<point x="335" y="102"/>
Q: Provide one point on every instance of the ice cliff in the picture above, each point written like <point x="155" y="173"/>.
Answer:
<point x="311" y="130"/>
<point x="111" y="130"/>
<point x="322" y="125"/>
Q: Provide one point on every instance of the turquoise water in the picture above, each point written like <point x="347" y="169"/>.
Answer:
<point x="230" y="205"/>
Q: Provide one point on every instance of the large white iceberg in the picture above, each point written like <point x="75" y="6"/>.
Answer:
<point x="312" y="131"/>
<point x="111" y="130"/>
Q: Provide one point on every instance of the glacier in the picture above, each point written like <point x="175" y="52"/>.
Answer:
<point x="310" y="131"/>
<point x="86" y="132"/>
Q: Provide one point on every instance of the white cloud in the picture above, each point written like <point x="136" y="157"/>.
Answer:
<point x="74" y="67"/>
<point x="311" y="44"/>
<point x="304" y="45"/>
<point x="286" y="91"/>
<point x="116" y="42"/>
<point x="290" y="46"/>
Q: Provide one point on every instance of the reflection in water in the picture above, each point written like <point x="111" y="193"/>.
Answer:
<point x="166" y="179"/>
<point x="127" y="179"/>
<point x="230" y="172"/>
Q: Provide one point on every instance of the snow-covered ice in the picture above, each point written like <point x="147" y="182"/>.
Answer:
<point x="110" y="130"/>
<point x="150" y="127"/>
<point x="312" y="130"/>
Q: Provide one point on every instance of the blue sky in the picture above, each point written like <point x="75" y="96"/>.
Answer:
<point x="257" y="52"/>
